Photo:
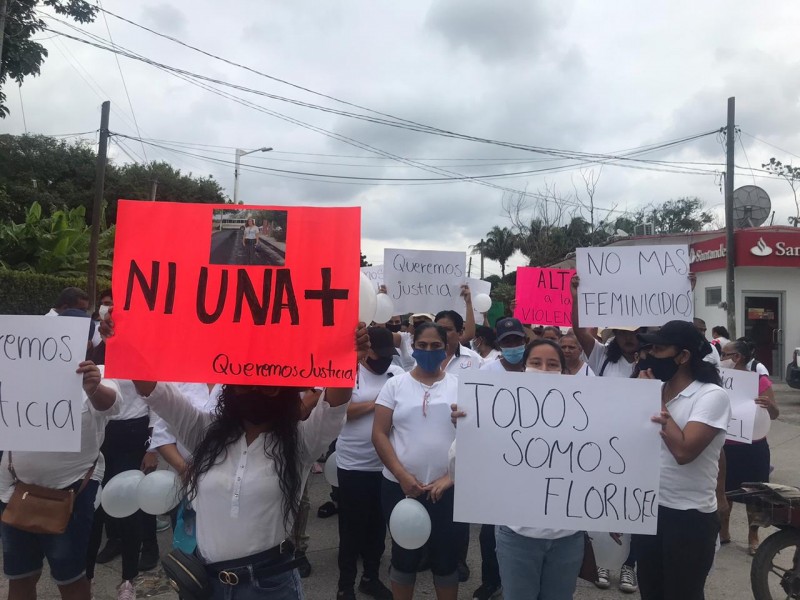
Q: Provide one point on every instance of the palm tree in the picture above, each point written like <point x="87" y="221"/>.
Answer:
<point x="500" y="243"/>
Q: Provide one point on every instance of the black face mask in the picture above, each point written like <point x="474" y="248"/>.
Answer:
<point x="663" y="369"/>
<point x="394" y="327"/>
<point x="258" y="408"/>
<point x="379" y="365"/>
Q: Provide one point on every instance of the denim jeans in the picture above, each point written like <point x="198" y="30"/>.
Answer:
<point x="284" y="586"/>
<point x="538" y="569"/>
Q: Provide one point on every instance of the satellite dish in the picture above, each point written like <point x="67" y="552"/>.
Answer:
<point x="751" y="206"/>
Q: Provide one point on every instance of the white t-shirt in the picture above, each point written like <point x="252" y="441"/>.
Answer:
<point x="713" y="357"/>
<point x="59" y="470"/>
<point x="493" y="355"/>
<point x="354" y="449"/>
<point x="596" y="360"/>
<point x="131" y="405"/>
<point x="251" y="233"/>
<point x="466" y="359"/>
<point x="239" y="502"/>
<point x="760" y="368"/>
<point x="201" y="398"/>
<point x="693" y="486"/>
<point x="586" y="370"/>
<point x="421" y="441"/>
<point x="495" y="366"/>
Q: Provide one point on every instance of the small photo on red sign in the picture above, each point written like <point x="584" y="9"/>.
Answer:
<point x="248" y="237"/>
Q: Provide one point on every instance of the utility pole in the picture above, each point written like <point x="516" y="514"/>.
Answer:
<point x="154" y="190"/>
<point x="97" y="207"/>
<point x="3" y="14"/>
<point x="469" y="268"/>
<point x="730" y="253"/>
<point x="482" y="243"/>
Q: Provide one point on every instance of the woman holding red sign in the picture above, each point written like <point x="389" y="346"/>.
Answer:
<point x="245" y="478"/>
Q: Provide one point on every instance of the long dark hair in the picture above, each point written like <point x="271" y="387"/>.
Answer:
<point x="613" y="351"/>
<point x="281" y="444"/>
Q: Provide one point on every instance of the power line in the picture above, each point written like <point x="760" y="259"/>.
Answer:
<point x="770" y="145"/>
<point x="590" y="158"/>
<point x="122" y="76"/>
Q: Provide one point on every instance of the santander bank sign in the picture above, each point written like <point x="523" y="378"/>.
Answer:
<point x="763" y="249"/>
<point x="758" y="247"/>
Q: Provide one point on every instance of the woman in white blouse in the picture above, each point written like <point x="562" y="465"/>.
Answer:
<point x="249" y="462"/>
<point x="412" y="434"/>
<point x="250" y="239"/>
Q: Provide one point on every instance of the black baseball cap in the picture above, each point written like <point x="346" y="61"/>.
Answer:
<point x="509" y="326"/>
<point x="682" y="334"/>
<point x="381" y="341"/>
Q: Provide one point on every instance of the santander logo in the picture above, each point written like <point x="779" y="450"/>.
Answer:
<point x="761" y="248"/>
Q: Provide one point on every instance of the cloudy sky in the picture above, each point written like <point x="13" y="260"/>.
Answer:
<point x="586" y="76"/>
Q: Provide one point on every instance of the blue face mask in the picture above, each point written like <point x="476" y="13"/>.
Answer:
<point x="513" y="355"/>
<point x="429" y="360"/>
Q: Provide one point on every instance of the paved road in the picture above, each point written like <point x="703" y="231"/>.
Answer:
<point x="729" y="580"/>
<point x="227" y="249"/>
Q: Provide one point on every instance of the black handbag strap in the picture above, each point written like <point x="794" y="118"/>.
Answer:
<point x="84" y="482"/>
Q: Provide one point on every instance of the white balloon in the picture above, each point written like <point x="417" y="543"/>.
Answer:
<point x="330" y="472"/>
<point x="384" y="309"/>
<point x="607" y="553"/>
<point x="761" y="424"/>
<point x="482" y="303"/>
<point x="366" y="300"/>
<point x="159" y="492"/>
<point x="410" y="524"/>
<point x="119" y="495"/>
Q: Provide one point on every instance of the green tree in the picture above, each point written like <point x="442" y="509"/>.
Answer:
<point x="21" y="55"/>
<point x="792" y="176"/>
<point x="364" y="262"/>
<point x="54" y="245"/>
<point x="683" y="215"/>
<point x="36" y="168"/>
<point x="499" y="244"/>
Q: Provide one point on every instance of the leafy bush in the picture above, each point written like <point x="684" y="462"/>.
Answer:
<point x="25" y="293"/>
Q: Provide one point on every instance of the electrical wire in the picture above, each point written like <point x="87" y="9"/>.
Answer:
<point x="122" y="76"/>
<point x="400" y="123"/>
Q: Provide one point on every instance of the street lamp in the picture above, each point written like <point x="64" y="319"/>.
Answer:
<point x="239" y="154"/>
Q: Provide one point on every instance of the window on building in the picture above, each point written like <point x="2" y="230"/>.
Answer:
<point x="713" y="296"/>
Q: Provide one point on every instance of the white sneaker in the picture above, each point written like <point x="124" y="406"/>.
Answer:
<point x="126" y="591"/>
<point x="603" y="578"/>
<point x="627" y="580"/>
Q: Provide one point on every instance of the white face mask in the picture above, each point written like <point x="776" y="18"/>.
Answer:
<point x="474" y="345"/>
<point x="727" y="364"/>
<point x="535" y="370"/>
<point x="103" y="311"/>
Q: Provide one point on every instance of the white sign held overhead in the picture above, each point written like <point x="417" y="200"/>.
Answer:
<point x="742" y="388"/>
<point x="476" y="286"/>
<point x="41" y="395"/>
<point x="375" y="275"/>
<point x="424" y="280"/>
<point x="558" y="452"/>
<point x="633" y="286"/>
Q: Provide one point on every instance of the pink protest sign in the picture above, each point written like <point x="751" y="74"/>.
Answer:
<point x="544" y="297"/>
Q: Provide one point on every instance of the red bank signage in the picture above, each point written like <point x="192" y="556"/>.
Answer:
<point x="754" y="248"/>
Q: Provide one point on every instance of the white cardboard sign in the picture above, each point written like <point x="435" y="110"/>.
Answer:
<point x="424" y="280"/>
<point x="41" y="395"/>
<point x="476" y="286"/>
<point x="742" y="388"/>
<point x="375" y="275"/>
<point x="558" y="452"/>
<point x="633" y="285"/>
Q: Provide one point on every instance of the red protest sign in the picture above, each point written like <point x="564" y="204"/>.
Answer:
<point x="544" y="297"/>
<point x="253" y="295"/>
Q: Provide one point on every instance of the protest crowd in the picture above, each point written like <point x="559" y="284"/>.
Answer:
<point x="243" y="454"/>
